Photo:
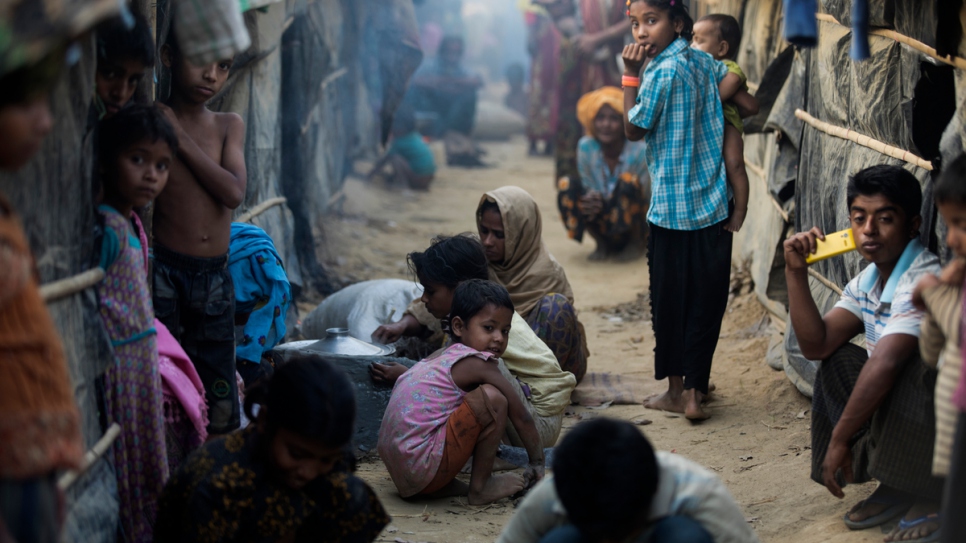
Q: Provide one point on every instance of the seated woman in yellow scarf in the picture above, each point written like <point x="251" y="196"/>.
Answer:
<point x="610" y="199"/>
<point x="511" y="230"/>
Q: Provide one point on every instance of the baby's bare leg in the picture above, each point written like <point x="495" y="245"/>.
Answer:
<point x="734" y="157"/>
<point x="492" y="414"/>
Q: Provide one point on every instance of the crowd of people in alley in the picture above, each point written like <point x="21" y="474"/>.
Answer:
<point x="219" y="443"/>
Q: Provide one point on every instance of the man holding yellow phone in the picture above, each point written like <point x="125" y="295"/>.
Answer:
<point x="872" y="410"/>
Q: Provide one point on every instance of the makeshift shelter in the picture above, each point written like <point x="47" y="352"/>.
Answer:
<point x="826" y="116"/>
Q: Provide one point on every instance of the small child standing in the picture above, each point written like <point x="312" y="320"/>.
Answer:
<point x="454" y="405"/>
<point x="135" y="149"/>
<point x="679" y="115"/>
<point x="39" y="420"/>
<point x="411" y="159"/>
<point x="720" y="36"/>
<point x="123" y="55"/>
<point x="193" y="292"/>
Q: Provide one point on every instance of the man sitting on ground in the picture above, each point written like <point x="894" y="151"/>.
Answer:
<point x="872" y="412"/>
<point x="610" y="485"/>
<point x="442" y="86"/>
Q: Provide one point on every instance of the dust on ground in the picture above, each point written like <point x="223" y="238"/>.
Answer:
<point x="757" y="440"/>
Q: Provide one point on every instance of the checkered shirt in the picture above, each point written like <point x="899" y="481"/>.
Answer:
<point x="680" y="108"/>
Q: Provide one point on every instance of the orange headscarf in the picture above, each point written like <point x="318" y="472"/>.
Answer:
<point x="591" y="103"/>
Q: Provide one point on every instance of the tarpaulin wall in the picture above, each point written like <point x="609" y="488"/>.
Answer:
<point x="798" y="173"/>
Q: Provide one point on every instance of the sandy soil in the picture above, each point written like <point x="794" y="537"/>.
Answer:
<point x="757" y="440"/>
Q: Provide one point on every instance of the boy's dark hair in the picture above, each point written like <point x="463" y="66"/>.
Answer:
<point x="728" y="30"/>
<point x="449" y="261"/>
<point x="309" y="397"/>
<point x="951" y="186"/>
<point x="28" y="82"/>
<point x="677" y="10"/>
<point x="116" y="41"/>
<point x="404" y="120"/>
<point x="606" y="475"/>
<point x="131" y="125"/>
<point x="473" y="295"/>
<point x="895" y="183"/>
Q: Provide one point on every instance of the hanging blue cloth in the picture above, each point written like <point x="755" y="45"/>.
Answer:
<point x="261" y="289"/>
<point x="860" y="30"/>
<point x="801" y="26"/>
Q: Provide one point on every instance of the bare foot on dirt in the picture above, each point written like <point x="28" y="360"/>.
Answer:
<point x="453" y="489"/>
<point x="921" y="521"/>
<point x="600" y="254"/>
<point x="667" y="402"/>
<point x="694" y="412"/>
<point x="498" y="487"/>
<point x="499" y="464"/>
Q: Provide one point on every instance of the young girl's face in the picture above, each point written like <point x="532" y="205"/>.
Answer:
<point x="652" y="27"/>
<point x="438" y="298"/>
<point x="492" y="234"/>
<point x="140" y="174"/>
<point x="955" y="216"/>
<point x="116" y="81"/>
<point x="487" y="331"/>
<point x="24" y="126"/>
<point x="298" y="461"/>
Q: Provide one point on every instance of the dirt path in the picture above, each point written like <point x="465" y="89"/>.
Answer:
<point x="757" y="440"/>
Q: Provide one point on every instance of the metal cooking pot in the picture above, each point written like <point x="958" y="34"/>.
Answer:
<point x="338" y="341"/>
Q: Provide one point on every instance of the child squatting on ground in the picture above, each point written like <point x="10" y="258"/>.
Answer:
<point x="193" y="292"/>
<point x="719" y="36"/>
<point x="412" y="161"/>
<point x="135" y="151"/>
<point x="285" y="477"/>
<point x="123" y="55"/>
<point x="940" y="344"/>
<point x="454" y="405"/>
<point x="679" y="114"/>
<point x="39" y="421"/>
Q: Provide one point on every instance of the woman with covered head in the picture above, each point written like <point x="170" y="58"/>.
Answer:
<point x="511" y="230"/>
<point x="609" y="200"/>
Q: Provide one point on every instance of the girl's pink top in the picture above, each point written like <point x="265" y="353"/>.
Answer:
<point x="413" y="431"/>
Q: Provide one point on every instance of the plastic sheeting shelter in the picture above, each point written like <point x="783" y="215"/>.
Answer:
<point x="900" y="97"/>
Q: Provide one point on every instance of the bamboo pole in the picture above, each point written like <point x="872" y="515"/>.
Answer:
<point x="863" y="140"/>
<point x="903" y="39"/>
<point x="56" y="290"/>
<point x="92" y="456"/>
<point x="828" y="283"/>
<point x="760" y="172"/>
<point x="260" y="208"/>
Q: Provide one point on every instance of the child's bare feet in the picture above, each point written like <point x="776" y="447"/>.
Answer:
<point x="498" y="487"/>
<point x="453" y="489"/>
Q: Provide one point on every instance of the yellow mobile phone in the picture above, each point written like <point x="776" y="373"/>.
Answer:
<point x="835" y="244"/>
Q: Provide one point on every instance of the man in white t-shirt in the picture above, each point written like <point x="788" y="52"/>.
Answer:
<point x="872" y="410"/>
<point x="610" y="485"/>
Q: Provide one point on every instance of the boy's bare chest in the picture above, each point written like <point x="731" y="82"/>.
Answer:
<point x="208" y="136"/>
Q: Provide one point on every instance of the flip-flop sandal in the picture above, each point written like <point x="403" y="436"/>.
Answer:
<point x="931" y="538"/>
<point x="895" y="509"/>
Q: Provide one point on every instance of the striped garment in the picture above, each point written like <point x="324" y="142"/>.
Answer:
<point x="939" y="345"/>
<point x="888" y="309"/>
<point x="680" y="108"/>
<point x="684" y="489"/>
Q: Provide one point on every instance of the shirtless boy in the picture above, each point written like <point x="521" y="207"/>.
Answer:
<point x="193" y="292"/>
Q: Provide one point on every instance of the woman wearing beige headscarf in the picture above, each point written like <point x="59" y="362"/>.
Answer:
<point x="511" y="230"/>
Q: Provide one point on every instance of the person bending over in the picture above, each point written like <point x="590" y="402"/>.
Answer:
<point x="872" y="409"/>
<point x="193" y="292"/>
<point x="527" y="362"/>
<point x="609" y="485"/>
<point x="286" y="477"/>
<point x="454" y="405"/>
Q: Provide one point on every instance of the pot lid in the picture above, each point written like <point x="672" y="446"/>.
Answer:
<point x="338" y="341"/>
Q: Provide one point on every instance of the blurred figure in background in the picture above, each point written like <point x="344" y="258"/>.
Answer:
<point x="444" y="87"/>
<point x="543" y="42"/>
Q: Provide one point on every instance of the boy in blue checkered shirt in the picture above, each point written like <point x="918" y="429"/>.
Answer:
<point x="679" y="115"/>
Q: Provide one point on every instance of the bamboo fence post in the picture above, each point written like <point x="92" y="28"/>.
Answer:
<point x="260" y="208"/>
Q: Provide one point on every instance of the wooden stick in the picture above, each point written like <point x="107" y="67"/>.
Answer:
<point x="863" y="140"/>
<point x="760" y="172"/>
<point x="903" y="39"/>
<point x="260" y="208"/>
<point x="91" y="457"/>
<point x="56" y="290"/>
<point x="821" y="279"/>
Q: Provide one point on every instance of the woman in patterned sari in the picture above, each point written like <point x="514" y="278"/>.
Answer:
<point x="610" y="197"/>
<point x="286" y="477"/>
<point x="511" y="231"/>
<point x="593" y="36"/>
